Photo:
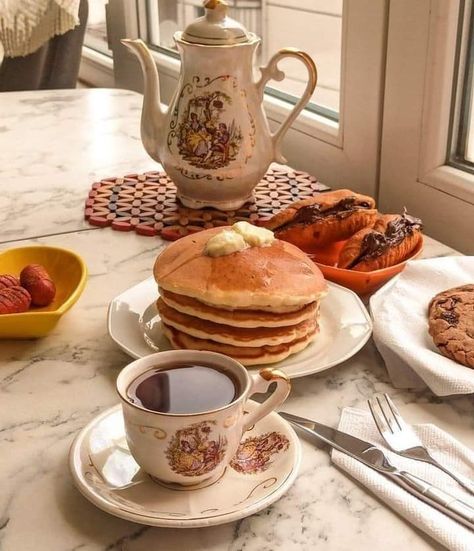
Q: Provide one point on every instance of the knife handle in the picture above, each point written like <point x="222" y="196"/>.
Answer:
<point x="441" y="500"/>
<point x="459" y="478"/>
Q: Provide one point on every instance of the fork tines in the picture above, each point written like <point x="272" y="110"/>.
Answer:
<point x="385" y="414"/>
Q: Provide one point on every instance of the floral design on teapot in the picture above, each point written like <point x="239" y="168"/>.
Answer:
<point x="203" y="130"/>
<point x="191" y="452"/>
<point x="205" y="139"/>
<point x="255" y="453"/>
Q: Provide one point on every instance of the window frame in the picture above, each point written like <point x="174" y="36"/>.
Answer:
<point x="421" y="69"/>
<point x="96" y="69"/>
<point x="461" y="111"/>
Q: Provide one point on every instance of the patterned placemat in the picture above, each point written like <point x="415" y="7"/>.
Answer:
<point x="147" y="204"/>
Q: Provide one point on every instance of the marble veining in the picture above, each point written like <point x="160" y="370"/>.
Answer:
<point x="91" y="134"/>
<point x="50" y="388"/>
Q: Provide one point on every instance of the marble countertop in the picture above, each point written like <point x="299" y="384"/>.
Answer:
<point x="50" y="388"/>
<point x="54" y="144"/>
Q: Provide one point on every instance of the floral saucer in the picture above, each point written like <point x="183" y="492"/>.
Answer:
<point x="263" y="469"/>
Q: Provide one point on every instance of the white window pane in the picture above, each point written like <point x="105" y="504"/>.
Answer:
<point x="316" y="32"/>
<point x="469" y="155"/>
<point x="462" y="147"/>
<point x="312" y="25"/>
<point x="96" y="29"/>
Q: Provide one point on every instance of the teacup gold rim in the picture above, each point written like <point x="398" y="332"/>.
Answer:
<point x="201" y="353"/>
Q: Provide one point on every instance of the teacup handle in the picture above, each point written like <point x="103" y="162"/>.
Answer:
<point x="260" y="383"/>
<point x="271" y="71"/>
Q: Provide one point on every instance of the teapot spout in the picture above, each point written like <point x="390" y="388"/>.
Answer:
<point x="153" y="114"/>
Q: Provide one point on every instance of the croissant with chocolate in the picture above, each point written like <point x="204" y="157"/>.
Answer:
<point x="391" y="240"/>
<point x="323" y="219"/>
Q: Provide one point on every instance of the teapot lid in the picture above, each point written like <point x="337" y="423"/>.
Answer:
<point x="215" y="28"/>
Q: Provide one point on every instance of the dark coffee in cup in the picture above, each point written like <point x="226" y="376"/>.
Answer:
<point x="183" y="388"/>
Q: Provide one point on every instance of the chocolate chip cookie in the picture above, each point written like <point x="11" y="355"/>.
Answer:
<point x="451" y="323"/>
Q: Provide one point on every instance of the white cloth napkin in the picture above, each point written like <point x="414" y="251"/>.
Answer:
<point x="400" y="319"/>
<point x="25" y="25"/>
<point x="444" y="448"/>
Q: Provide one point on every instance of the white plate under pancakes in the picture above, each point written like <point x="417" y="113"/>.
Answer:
<point x="345" y="327"/>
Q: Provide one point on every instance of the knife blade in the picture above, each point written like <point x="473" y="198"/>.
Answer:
<point x="350" y="445"/>
<point x="375" y="458"/>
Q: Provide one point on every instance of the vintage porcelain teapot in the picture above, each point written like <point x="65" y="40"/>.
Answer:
<point x="214" y="140"/>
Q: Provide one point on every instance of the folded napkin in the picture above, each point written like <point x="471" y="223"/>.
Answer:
<point x="400" y="319"/>
<point x="445" y="448"/>
<point x="25" y="25"/>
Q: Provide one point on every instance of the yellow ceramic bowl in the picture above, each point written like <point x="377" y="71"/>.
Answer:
<point x="69" y="273"/>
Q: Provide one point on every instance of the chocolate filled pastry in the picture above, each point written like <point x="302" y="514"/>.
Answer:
<point x="391" y="240"/>
<point x="323" y="219"/>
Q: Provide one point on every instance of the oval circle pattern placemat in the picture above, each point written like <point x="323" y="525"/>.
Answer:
<point x="146" y="203"/>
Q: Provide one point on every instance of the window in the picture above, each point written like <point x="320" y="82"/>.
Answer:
<point x="426" y="147"/>
<point x="96" y="64"/>
<point x="313" y="26"/>
<point x="96" y="30"/>
<point x="462" y="139"/>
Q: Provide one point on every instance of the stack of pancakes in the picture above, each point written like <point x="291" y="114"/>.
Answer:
<point x="257" y="305"/>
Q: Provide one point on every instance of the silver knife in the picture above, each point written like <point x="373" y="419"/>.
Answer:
<point x="375" y="458"/>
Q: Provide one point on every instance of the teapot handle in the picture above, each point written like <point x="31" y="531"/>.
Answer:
<point x="271" y="71"/>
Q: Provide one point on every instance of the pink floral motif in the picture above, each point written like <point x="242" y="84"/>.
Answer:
<point x="255" y="453"/>
<point x="192" y="453"/>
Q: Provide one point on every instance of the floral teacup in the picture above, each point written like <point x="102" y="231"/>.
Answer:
<point x="194" y="448"/>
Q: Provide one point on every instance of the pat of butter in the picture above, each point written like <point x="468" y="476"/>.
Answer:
<point x="253" y="235"/>
<point x="242" y="235"/>
<point x="225" y="242"/>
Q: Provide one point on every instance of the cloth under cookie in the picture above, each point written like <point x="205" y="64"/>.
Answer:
<point x="400" y="318"/>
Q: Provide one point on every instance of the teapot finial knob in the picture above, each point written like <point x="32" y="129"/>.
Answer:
<point x="216" y="10"/>
<point x="216" y="28"/>
<point x="213" y="4"/>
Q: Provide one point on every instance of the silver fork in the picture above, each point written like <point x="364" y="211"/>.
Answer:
<point x="402" y="439"/>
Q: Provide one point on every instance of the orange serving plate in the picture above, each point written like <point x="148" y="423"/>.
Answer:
<point x="363" y="283"/>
